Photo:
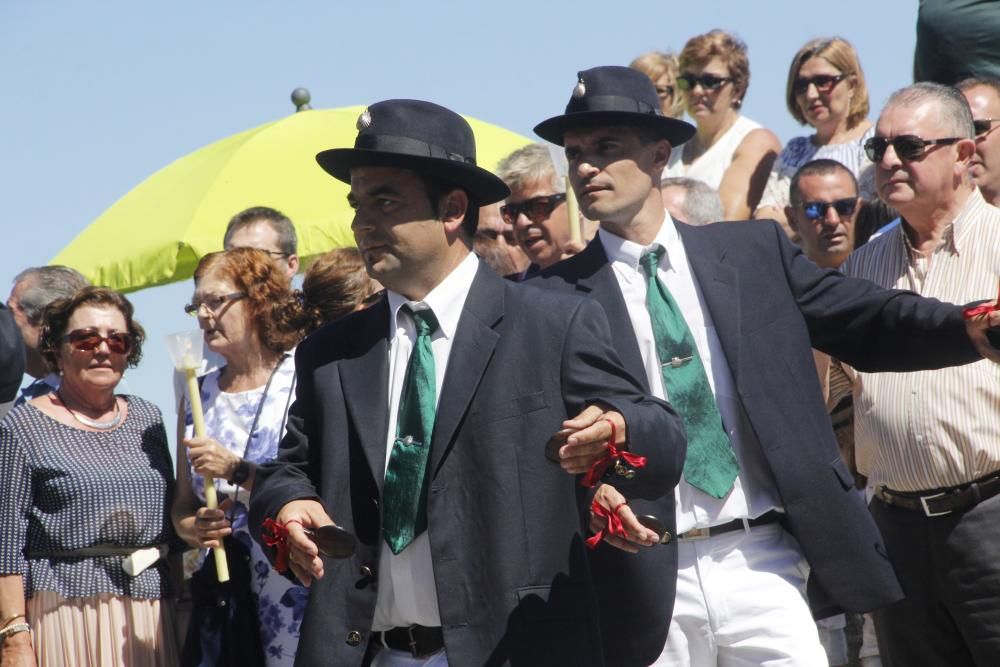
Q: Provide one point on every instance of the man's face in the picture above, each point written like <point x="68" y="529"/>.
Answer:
<point x="612" y="171"/>
<point x="929" y="181"/>
<point x="262" y="236"/>
<point x="492" y="225"/>
<point x="398" y="233"/>
<point x="985" y="167"/>
<point x="29" y="331"/>
<point x="541" y="237"/>
<point x="828" y="240"/>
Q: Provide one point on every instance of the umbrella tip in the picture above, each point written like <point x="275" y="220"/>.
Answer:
<point x="300" y="98"/>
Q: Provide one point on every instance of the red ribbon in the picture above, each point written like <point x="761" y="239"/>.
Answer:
<point x="985" y="309"/>
<point x="612" y="527"/>
<point x="611" y="455"/>
<point x="276" y="535"/>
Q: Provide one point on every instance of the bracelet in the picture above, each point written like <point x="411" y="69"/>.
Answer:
<point x="13" y="629"/>
<point x="7" y="620"/>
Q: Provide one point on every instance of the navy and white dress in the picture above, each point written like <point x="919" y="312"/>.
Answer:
<point x="229" y="418"/>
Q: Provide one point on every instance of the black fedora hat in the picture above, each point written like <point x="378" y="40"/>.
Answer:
<point x="416" y="135"/>
<point x="614" y="95"/>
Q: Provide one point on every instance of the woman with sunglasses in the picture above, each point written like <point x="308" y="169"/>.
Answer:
<point x="252" y="319"/>
<point x="825" y="90"/>
<point x="729" y="152"/>
<point x="662" y="69"/>
<point x="85" y="507"/>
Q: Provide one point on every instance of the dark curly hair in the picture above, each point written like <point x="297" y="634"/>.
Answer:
<point x="55" y="320"/>
<point x="275" y="312"/>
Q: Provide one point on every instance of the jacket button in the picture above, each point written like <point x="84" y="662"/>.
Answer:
<point x="366" y="571"/>
<point x="353" y="638"/>
<point x="666" y="537"/>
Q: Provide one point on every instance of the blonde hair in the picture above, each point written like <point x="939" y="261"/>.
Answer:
<point x="656" y="65"/>
<point x="839" y="53"/>
<point x="730" y="48"/>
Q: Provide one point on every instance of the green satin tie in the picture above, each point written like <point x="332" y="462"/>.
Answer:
<point x="404" y="494"/>
<point x="710" y="464"/>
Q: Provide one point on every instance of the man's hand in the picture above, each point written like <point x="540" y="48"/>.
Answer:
<point x="586" y="437"/>
<point x="978" y="327"/>
<point x="303" y="555"/>
<point x="638" y="535"/>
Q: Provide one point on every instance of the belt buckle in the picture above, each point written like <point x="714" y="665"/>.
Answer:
<point x="927" y="510"/>
<point x="697" y="534"/>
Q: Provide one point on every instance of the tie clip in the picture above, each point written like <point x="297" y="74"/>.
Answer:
<point x="677" y="362"/>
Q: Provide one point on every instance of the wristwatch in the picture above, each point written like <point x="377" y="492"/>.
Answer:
<point x="241" y="473"/>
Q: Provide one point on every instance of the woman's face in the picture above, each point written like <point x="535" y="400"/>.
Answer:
<point x="666" y="90"/>
<point x="98" y="369"/>
<point x="702" y="100"/>
<point x="821" y="98"/>
<point x="222" y="316"/>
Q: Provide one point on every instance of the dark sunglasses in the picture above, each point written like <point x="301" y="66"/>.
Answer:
<point x="664" y="92"/>
<point x="88" y="340"/>
<point x="212" y="303"/>
<point x="706" y="81"/>
<point x="984" y="125"/>
<point x="536" y="209"/>
<point x="907" y="146"/>
<point x="816" y="210"/>
<point x="824" y="83"/>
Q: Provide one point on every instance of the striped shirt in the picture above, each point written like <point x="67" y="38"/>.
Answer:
<point x="932" y="429"/>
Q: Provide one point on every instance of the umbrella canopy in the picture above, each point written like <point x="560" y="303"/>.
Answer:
<point x="157" y="233"/>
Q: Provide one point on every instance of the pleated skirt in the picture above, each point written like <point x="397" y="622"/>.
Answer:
<point x="103" y="631"/>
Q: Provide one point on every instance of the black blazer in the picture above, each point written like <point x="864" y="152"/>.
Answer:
<point x="505" y="525"/>
<point x="771" y="305"/>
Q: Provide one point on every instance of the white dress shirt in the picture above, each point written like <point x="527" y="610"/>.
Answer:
<point x="754" y="492"/>
<point x="407" y="593"/>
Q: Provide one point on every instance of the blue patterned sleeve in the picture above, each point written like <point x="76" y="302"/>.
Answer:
<point x="15" y="499"/>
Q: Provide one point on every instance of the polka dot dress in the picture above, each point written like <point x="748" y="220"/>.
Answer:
<point x="63" y="488"/>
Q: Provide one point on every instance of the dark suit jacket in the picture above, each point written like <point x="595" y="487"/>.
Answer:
<point x="505" y="525"/>
<point x="770" y="306"/>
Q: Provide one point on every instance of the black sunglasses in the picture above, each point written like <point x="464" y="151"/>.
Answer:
<point x="88" y="340"/>
<point x="707" y="81"/>
<point x="907" y="146"/>
<point x="824" y="83"/>
<point x="984" y="125"/>
<point x="816" y="210"/>
<point x="536" y="209"/>
<point x="664" y="92"/>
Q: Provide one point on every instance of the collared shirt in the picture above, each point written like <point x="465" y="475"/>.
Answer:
<point x="39" y="387"/>
<point x="406" y="587"/>
<point x="753" y="493"/>
<point x="932" y="429"/>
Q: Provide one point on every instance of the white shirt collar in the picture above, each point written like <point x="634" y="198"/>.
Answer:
<point x="446" y="300"/>
<point x="623" y="253"/>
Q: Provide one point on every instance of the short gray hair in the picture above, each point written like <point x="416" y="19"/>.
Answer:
<point x="527" y="165"/>
<point x="702" y="204"/>
<point x="954" y="107"/>
<point x="47" y="283"/>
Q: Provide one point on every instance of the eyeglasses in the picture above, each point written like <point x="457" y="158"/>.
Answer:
<point x="706" y="81"/>
<point x="212" y="304"/>
<point x="907" y="146"/>
<point x="536" y="209"/>
<point x="824" y="83"/>
<point x="663" y="92"/>
<point x="88" y="340"/>
<point x="984" y="125"/>
<point x="816" y="210"/>
<point x="276" y="254"/>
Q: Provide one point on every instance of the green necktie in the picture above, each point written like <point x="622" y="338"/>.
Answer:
<point x="404" y="494"/>
<point x="710" y="464"/>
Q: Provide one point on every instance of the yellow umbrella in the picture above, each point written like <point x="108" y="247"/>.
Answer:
<point x="157" y="232"/>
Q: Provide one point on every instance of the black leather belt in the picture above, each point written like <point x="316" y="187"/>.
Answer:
<point x="941" y="502"/>
<point x="736" y="524"/>
<point x="417" y="640"/>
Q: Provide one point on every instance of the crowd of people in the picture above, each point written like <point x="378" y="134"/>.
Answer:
<point x="649" y="393"/>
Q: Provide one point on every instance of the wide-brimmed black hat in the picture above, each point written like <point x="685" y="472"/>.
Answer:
<point x="614" y="95"/>
<point x="416" y="135"/>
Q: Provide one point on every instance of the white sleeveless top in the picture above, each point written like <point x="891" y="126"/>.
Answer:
<point x="711" y="166"/>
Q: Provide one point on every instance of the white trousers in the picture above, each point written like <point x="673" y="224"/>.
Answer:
<point x="741" y="603"/>
<point x="386" y="657"/>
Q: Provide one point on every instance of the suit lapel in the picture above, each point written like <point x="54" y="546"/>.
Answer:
<point x="597" y="278"/>
<point x="720" y="287"/>
<point x="365" y="382"/>
<point x="471" y="351"/>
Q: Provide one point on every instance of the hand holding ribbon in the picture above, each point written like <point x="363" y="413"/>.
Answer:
<point x="275" y="535"/>
<point x="611" y="455"/>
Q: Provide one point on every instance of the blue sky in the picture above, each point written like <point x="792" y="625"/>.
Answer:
<point x="99" y="95"/>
